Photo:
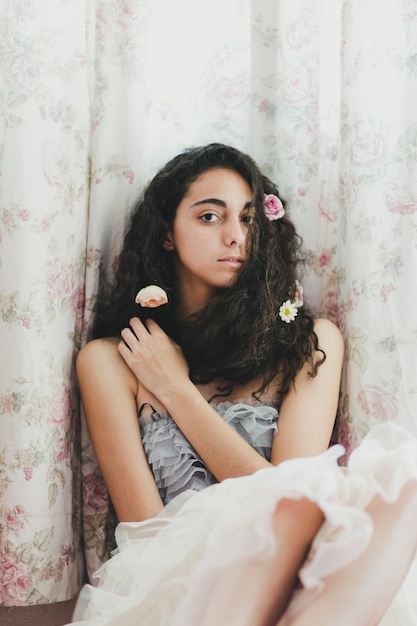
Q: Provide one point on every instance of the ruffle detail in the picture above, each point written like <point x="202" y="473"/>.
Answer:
<point x="167" y="566"/>
<point x="174" y="462"/>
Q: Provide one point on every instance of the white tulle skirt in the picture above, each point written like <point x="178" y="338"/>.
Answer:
<point x="165" y="568"/>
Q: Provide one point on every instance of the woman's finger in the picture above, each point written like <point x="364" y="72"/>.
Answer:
<point x="129" y="337"/>
<point x="139" y="328"/>
<point x="123" y="348"/>
<point x="152" y="326"/>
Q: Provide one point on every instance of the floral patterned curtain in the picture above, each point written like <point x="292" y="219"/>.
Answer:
<point x="96" y="95"/>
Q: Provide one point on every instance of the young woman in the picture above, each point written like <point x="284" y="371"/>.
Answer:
<point x="211" y="416"/>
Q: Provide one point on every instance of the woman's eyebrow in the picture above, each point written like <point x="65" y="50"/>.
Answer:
<point x="218" y="202"/>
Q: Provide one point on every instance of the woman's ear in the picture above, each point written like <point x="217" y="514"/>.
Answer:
<point x="168" y="243"/>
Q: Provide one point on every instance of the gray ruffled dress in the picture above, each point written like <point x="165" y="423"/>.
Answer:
<point x="174" y="462"/>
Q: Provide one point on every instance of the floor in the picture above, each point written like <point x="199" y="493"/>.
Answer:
<point x="56" y="614"/>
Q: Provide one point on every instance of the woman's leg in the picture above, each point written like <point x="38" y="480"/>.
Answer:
<point x="361" y="592"/>
<point x="257" y="593"/>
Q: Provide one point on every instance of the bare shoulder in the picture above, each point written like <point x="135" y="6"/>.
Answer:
<point x="97" y="349"/>
<point x="100" y="359"/>
<point x="329" y="336"/>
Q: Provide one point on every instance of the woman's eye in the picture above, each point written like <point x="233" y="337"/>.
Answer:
<point x="249" y="218"/>
<point x="209" y="217"/>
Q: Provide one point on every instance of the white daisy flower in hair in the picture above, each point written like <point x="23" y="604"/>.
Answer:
<point x="288" y="311"/>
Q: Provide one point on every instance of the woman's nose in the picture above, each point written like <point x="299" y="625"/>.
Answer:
<point x="235" y="233"/>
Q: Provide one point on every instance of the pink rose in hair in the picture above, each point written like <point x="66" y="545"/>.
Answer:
<point x="273" y="207"/>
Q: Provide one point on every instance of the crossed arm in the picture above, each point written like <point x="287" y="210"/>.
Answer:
<point x="110" y="374"/>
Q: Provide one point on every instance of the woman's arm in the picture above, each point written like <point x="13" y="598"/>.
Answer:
<point x="160" y="367"/>
<point x="108" y="391"/>
<point x="308" y="411"/>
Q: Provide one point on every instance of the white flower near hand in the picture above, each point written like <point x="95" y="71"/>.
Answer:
<point x="288" y="311"/>
<point x="151" y="297"/>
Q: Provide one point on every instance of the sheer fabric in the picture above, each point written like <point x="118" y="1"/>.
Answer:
<point x="166" y="568"/>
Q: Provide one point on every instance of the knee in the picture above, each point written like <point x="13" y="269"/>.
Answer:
<point x="298" y="513"/>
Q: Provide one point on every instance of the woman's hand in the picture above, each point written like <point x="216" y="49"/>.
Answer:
<point x="155" y="359"/>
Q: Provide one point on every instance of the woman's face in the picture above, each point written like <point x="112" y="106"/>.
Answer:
<point x="208" y="235"/>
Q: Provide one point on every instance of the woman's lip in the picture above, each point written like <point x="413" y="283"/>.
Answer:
<point x="232" y="261"/>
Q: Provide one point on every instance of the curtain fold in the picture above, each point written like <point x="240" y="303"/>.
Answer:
<point x="378" y="192"/>
<point x="44" y="195"/>
<point x="95" y="97"/>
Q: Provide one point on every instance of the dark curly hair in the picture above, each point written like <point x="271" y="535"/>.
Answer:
<point x="238" y="337"/>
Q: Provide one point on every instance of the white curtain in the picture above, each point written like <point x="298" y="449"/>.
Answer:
<point x="95" y="97"/>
